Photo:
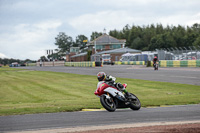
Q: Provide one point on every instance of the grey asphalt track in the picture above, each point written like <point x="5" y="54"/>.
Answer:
<point x="80" y="119"/>
<point x="174" y="75"/>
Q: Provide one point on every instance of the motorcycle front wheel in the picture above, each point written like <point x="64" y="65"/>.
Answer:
<point x="134" y="103"/>
<point x="108" y="103"/>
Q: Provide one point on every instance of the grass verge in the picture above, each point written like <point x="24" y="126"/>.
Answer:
<point x="24" y="92"/>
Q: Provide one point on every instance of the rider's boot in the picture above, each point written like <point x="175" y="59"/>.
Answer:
<point x="127" y="94"/>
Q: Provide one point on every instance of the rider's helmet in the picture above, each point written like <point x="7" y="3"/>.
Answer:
<point x="101" y="76"/>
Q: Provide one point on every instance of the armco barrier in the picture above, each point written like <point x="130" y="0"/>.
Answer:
<point x="130" y="63"/>
<point x="179" y="63"/>
<point x="31" y="64"/>
<point x="80" y="64"/>
<point x="52" y="63"/>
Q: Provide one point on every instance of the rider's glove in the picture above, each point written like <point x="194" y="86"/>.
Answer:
<point x="112" y="78"/>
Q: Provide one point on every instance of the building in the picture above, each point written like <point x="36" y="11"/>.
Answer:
<point x="115" y="54"/>
<point x="73" y="51"/>
<point x="105" y="44"/>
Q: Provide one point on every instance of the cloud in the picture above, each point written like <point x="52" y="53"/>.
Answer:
<point x="194" y="19"/>
<point x="29" y="40"/>
<point x="100" y="20"/>
<point x="3" y="55"/>
<point x="28" y="28"/>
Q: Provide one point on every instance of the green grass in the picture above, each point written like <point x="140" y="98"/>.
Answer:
<point x="25" y="91"/>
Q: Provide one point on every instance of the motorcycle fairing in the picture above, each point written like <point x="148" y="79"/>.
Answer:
<point x="115" y="93"/>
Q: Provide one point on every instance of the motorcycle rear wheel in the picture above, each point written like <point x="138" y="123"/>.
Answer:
<point x="135" y="103"/>
<point x="108" y="104"/>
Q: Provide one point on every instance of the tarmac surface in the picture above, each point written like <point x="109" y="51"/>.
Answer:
<point x="181" y="75"/>
<point x="121" y="118"/>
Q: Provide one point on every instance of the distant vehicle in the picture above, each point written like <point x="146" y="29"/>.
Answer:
<point x="188" y="58"/>
<point x="106" y="58"/>
<point x="14" y="64"/>
<point x="23" y="64"/>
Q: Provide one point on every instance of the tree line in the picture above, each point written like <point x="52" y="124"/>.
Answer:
<point x="7" y="61"/>
<point x="151" y="37"/>
<point x="145" y="38"/>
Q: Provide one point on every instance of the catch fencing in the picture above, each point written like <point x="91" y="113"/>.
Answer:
<point x="179" y="53"/>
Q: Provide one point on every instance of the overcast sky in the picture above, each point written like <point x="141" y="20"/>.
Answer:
<point x="29" y="27"/>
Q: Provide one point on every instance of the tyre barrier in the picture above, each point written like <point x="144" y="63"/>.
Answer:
<point x="181" y="63"/>
<point x="178" y="63"/>
<point x="164" y="63"/>
<point x="80" y="64"/>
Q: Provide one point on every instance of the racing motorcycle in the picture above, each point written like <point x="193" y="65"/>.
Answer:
<point x="156" y="66"/>
<point x="112" y="98"/>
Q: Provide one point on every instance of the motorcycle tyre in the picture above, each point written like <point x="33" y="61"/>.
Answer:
<point x="103" y="103"/>
<point x="154" y="66"/>
<point x="135" y="107"/>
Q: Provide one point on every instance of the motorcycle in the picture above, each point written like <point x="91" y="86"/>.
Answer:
<point x="156" y="66"/>
<point x="112" y="98"/>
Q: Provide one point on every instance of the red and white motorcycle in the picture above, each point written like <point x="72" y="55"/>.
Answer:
<point x="112" y="98"/>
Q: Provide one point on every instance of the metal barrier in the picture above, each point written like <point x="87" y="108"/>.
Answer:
<point x="31" y="64"/>
<point x="51" y="63"/>
<point x="130" y="63"/>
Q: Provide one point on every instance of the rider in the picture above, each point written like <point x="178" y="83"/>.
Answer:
<point x="102" y="77"/>
<point x="155" y="59"/>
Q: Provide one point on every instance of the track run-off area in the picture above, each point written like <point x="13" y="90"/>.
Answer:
<point x="122" y="118"/>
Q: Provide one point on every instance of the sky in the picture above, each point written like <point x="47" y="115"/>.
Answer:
<point x="28" y="27"/>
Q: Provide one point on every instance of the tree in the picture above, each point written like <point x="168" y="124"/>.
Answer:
<point x="63" y="42"/>
<point x="179" y="34"/>
<point x="79" y="41"/>
<point x="197" y="42"/>
<point x="114" y="33"/>
<point x="190" y="39"/>
<point x="95" y="35"/>
<point x="137" y="43"/>
<point x="156" y="42"/>
<point x="196" y="28"/>
<point x="162" y="41"/>
<point x="43" y="58"/>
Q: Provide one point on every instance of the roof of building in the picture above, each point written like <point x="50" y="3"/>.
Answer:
<point x="107" y="39"/>
<point x="78" y="55"/>
<point x="119" y="50"/>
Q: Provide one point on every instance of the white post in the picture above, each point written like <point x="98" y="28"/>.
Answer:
<point x="95" y="45"/>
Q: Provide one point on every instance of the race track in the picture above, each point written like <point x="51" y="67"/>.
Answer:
<point x="96" y="118"/>
<point x="127" y="116"/>
<point x="175" y="75"/>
